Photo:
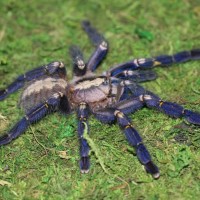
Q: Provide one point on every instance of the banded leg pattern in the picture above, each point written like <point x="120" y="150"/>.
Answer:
<point x="33" y="116"/>
<point x="79" y="67"/>
<point x="137" y="75"/>
<point x="101" y="46"/>
<point x="163" y="60"/>
<point x="135" y="140"/>
<point x="49" y="69"/>
<point x="172" y="109"/>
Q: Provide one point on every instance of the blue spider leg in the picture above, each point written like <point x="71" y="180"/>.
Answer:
<point x="49" y="69"/>
<point x="135" y="140"/>
<point x="133" y="88"/>
<point x="153" y="101"/>
<point x="111" y="114"/>
<point x="127" y="106"/>
<point x="171" y="109"/>
<point x="31" y="117"/>
<point x="130" y="105"/>
<point x="163" y="60"/>
<point x="101" y="46"/>
<point x="84" y="147"/>
<point x="79" y="66"/>
<point x="137" y="75"/>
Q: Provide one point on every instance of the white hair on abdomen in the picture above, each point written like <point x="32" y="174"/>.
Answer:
<point x="39" y="91"/>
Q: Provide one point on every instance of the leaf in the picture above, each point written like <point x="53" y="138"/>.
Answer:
<point x="144" y="34"/>
<point x="63" y="154"/>
<point x="3" y="183"/>
<point x="196" y="10"/>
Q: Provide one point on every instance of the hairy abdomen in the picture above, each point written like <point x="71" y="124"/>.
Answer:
<point x="39" y="91"/>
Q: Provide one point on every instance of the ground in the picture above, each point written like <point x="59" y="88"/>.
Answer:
<point x="43" y="162"/>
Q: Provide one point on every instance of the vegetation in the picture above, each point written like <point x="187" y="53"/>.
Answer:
<point x="43" y="162"/>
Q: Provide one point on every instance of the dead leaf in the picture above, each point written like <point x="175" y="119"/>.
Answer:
<point x="3" y="183"/>
<point x="196" y="10"/>
<point x="63" y="154"/>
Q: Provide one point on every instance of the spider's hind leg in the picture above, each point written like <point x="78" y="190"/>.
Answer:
<point x="33" y="116"/>
<point x="101" y="46"/>
<point x="135" y="140"/>
<point x="169" y="108"/>
<point x="153" y="101"/>
<point x="132" y="135"/>
<point x="50" y="69"/>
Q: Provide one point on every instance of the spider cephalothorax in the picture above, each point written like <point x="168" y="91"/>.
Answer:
<point x="109" y="97"/>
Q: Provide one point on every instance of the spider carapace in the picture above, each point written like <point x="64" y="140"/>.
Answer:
<point x="110" y="97"/>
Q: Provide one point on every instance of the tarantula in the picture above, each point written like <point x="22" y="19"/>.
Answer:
<point x="109" y="97"/>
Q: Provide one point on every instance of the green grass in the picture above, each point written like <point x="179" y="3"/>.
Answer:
<point x="35" y="166"/>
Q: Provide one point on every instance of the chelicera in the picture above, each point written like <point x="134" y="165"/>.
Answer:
<point x="110" y="97"/>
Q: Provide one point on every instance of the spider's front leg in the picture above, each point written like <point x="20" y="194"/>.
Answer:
<point x="32" y="116"/>
<point x="51" y="69"/>
<point x="84" y="147"/>
<point x="132" y="135"/>
<point x="146" y="63"/>
<point x="101" y="46"/>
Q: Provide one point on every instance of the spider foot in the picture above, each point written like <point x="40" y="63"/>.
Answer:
<point x="18" y="129"/>
<point x="3" y="94"/>
<point x="17" y="84"/>
<point x="84" y="164"/>
<point x="192" y="117"/>
<point x="195" y="54"/>
<point x="152" y="169"/>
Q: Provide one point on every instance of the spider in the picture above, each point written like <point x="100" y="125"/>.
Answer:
<point x="110" y="97"/>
